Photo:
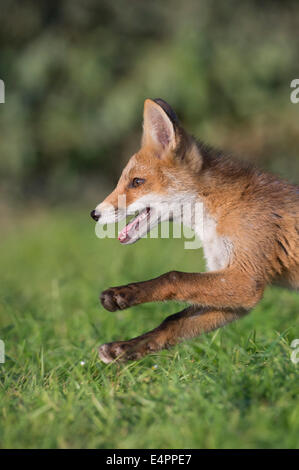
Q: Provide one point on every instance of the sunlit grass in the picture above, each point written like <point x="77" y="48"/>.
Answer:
<point x="235" y="387"/>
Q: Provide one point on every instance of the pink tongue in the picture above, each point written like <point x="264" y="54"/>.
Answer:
<point x="123" y="235"/>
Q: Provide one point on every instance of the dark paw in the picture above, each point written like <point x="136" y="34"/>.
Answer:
<point x="119" y="351"/>
<point x="123" y="351"/>
<point x="118" y="298"/>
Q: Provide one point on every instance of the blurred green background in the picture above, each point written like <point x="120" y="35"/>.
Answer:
<point x="77" y="73"/>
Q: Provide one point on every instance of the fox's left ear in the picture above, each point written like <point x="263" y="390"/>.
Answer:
<point x="159" y="123"/>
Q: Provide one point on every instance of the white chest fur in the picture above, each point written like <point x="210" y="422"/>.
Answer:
<point x="217" y="249"/>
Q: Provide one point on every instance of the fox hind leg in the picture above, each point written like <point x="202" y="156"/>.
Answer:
<point x="188" y="323"/>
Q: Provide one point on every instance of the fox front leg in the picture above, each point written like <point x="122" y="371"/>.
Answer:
<point x="161" y="288"/>
<point x="229" y="288"/>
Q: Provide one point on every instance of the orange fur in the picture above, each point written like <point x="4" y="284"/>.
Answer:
<point x="257" y="212"/>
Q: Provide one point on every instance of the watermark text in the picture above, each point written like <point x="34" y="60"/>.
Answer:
<point x="294" y="97"/>
<point x="2" y="92"/>
<point x="2" y="352"/>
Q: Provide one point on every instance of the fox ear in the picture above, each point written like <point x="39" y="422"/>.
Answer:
<point x="159" y="122"/>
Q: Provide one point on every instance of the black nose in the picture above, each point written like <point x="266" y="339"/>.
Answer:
<point x="94" y="215"/>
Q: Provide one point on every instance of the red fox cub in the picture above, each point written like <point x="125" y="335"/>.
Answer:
<point x="250" y="233"/>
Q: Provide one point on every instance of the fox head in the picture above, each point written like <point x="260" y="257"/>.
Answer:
<point x="161" y="175"/>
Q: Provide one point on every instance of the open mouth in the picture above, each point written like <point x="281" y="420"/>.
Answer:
<point x="137" y="227"/>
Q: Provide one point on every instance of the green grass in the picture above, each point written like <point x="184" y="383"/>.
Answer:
<point x="236" y="387"/>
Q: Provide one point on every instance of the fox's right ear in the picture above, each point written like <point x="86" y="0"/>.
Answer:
<point x="159" y="122"/>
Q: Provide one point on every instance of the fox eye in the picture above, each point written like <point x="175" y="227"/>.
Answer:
<point x="137" y="182"/>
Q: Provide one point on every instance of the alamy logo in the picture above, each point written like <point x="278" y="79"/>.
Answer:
<point x="295" y="353"/>
<point x="186" y="217"/>
<point x="2" y="352"/>
<point x="294" y="97"/>
<point x="2" y="91"/>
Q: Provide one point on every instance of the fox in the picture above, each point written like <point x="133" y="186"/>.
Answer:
<point x="250" y="235"/>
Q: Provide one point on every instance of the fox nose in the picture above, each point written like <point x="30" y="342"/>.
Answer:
<point x="95" y="215"/>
